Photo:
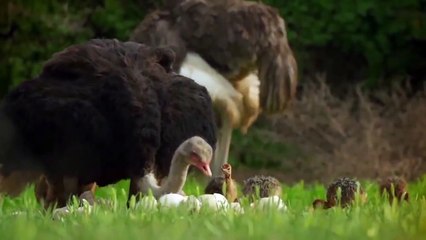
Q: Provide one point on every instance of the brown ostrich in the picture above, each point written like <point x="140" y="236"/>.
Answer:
<point x="217" y="184"/>
<point x="348" y="189"/>
<point x="237" y="49"/>
<point x="394" y="187"/>
<point x="261" y="186"/>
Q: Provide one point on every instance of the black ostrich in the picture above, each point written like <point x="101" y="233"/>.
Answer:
<point x="100" y="112"/>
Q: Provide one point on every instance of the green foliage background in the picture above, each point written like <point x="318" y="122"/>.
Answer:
<point x="370" y="40"/>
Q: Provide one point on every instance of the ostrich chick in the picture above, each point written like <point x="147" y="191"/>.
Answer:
<point x="348" y="188"/>
<point x="267" y="186"/>
<point x="394" y="187"/>
<point x="217" y="183"/>
<point x="231" y="188"/>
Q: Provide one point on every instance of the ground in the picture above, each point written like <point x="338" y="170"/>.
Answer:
<point x="22" y="218"/>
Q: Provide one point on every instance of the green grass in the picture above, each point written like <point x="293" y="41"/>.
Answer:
<point x="23" y="218"/>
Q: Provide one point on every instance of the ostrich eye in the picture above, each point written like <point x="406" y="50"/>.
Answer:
<point x="193" y="153"/>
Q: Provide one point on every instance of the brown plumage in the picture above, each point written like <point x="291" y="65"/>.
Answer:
<point x="261" y="186"/>
<point x="243" y="41"/>
<point x="46" y="193"/>
<point x="217" y="184"/>
<point x="14" y="183"/>
<point x="394" y="187"/>
<point x="348" y="189"/>
<point x="100" y="112"/>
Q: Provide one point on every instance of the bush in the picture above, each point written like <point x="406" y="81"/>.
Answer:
<point x="37" y="29"/>
<point x="363" y="136"/>
<point x="387" y="38"/>
<point x="350" y="40"/>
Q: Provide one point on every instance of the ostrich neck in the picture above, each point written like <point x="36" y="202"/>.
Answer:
<point x="228" y="180"/>
<point x="177" y="175"/>
<point x="174" y="182"/>
<point x="231" y="193"/>
<point x="228" y="184"/>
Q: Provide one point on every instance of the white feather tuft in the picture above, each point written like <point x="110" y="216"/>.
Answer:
<point x="200" y="71"/>
<point x="223" y="94"/>
<point x="150" y="183"/>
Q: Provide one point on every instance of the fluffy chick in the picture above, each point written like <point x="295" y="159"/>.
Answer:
<point x="266" y="186"/>
<point x="394" y="187"/>
<point x="348" y="188"/>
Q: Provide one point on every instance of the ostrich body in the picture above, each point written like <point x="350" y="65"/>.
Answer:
<point x="194" y="151"/>
<point x="237" y="49"/>
<point x="100" y="112"/>
<point x="348" y="188"/>
<point x="394" y="187"/>
<point x="264" y="186"/>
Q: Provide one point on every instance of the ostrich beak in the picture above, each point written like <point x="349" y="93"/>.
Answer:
<point x="204" y="168"/>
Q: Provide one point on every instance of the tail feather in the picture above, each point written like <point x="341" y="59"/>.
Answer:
<point x="279" y="74"/>
<point x="13" y="181"/>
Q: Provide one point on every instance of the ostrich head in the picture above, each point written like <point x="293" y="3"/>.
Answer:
<point x="319" y="203"/>
<point x="197" y="152"/>
<point x="227" y="170"/>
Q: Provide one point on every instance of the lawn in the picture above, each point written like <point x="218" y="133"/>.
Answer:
<point x="22" y="218"/>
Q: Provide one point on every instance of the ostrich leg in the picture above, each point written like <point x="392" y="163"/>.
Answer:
<point x="222" y="149"/>
<point x="227" y="100"/>
<point x="135" y="186"/>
